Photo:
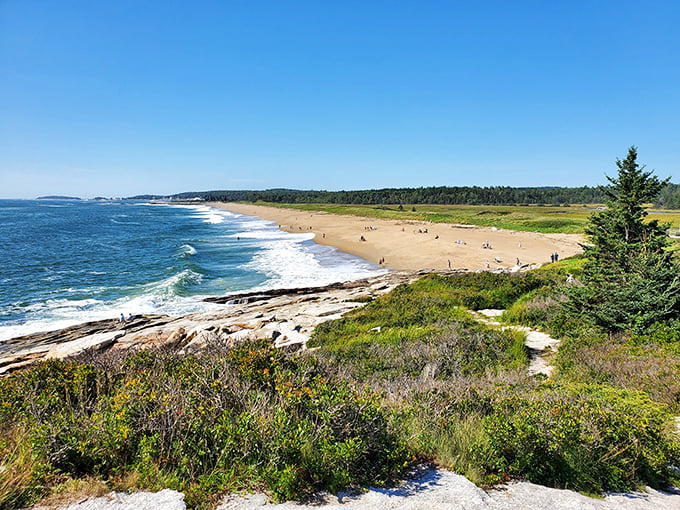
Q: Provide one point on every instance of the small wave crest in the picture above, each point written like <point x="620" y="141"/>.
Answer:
<point x="187" y="249"/>
<point x="273" y="235"/>
<point x="169" y="295"/>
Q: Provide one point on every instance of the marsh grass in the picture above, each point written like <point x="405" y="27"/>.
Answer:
<point x="549" y="219"/>
<point x="525" y="218"/>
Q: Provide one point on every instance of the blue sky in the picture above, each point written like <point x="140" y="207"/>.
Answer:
<point x="127" y="97"/>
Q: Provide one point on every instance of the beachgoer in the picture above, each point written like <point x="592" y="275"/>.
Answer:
<point x="449" y="263"/>
<point x="487" y="265"/>
<point x="520" y="244"/>
<point x="518" y="262"/>
<point x="130" y="317"/>
<point x="556" y="256"/>
<point x="437" y="236"/>
<point x="122" y="318"/>
<point x="552" y="257"/>
<point x="363" y="238"/>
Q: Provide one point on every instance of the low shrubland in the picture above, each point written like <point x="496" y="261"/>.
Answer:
<point x="410" y="377"/>
<point x="245" y="418"/>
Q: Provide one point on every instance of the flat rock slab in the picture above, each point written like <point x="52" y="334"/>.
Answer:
<point x="439" y="489"/>
<point x="166" y="499"/>
<point x="428" y="489"/>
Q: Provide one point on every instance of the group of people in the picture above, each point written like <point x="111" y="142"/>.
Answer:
<point x="554" y="257"/>
<point x="129" y="319"/>
<point x="486" y="245"/>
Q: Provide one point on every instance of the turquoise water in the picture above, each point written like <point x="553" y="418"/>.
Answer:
<point x="67" y="262"/>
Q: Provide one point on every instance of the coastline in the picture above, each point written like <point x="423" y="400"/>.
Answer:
<point x="415" y="245"/>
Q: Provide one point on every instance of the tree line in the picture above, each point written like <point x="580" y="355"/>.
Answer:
<point x="458" y="195"/>
<point x="669" y="197"/>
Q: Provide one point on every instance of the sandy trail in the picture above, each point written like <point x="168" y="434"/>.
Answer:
<point x="413" y="245"/>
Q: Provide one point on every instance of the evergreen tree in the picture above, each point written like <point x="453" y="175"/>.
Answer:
<point x="631" y="278"/>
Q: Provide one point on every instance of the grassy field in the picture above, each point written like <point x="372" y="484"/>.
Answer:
<point x="547" y="219"/>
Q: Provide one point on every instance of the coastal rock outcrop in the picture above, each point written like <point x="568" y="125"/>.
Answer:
<point x="286" y="317"/>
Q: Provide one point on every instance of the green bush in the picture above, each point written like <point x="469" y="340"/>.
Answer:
<point x="588" y="438"/>
<point x="251" y="414"/>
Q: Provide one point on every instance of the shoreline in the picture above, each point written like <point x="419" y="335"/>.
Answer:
<point x="408" y="245"/>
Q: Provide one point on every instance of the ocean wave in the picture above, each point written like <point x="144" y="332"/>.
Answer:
<point x="273" y="235"/>
<point x="290" y="264"/>
<point x="187" y="249"/>
<point x="208" y="214"/>
<point x="163" y="296"/>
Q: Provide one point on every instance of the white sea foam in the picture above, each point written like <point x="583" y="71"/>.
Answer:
<point x="208" y="214"/>
<point x="272" y="235"/>
<point x="295" y="261"/>
<point x="277" y="260"/>
<point x="188" y="249"/>
<point x="161" y="297"/>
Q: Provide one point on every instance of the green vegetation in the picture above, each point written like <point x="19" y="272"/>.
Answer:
<point x="410" y="377"/>
<point x="437" y="195"/>
<point x="631" y="278"/>
<point x="548" y="219"/>
<point x="242" y="418"/>
<point x="494" y="195"/>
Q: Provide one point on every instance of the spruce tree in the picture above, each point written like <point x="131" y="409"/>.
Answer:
<point x="631" y="278"/>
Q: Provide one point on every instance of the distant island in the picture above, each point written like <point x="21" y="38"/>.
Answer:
<point x="57" y="197"/>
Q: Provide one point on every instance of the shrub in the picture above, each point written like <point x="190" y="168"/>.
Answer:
<point x="588" y="438"/>
<point x="205" y="424"/>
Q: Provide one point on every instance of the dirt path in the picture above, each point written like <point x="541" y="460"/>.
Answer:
<point x="539" y="343"/>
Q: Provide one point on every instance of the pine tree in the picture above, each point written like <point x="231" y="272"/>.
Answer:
<point x="631" y="278"/>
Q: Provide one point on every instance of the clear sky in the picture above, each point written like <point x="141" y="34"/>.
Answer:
<point x="118" y="98"/>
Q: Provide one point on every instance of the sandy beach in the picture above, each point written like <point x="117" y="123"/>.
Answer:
<point x="414" y="245"/>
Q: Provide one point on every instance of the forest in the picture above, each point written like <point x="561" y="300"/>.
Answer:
<point x="669" y="197"/>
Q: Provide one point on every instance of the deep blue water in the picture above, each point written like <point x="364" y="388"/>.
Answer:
<point x="66" y="262"/>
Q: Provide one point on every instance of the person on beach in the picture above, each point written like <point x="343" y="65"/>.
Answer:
<point x="449" y="263"/>
<point x="122" y="317"/>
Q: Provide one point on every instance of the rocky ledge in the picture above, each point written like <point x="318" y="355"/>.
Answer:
<point x="285" y="316"/>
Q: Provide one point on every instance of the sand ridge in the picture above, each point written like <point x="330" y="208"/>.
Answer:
<point x="413" y="245"/>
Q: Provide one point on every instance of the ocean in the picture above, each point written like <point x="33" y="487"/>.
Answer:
<point x="66" y="262"/>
